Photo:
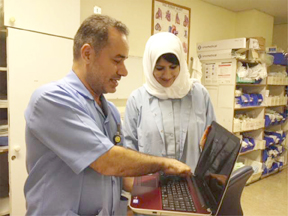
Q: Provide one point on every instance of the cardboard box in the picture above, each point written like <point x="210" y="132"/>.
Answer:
<point x="253" y="44"/>
<point x="235" y="43"/>
<point x="253" y="55"/>
<point x="216" y="54"/>
<point x="261" y="42"/>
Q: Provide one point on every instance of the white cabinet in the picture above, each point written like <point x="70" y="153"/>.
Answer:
<point x="219" y="79"/>
<point x="56" y="17"/>
<point x="40" y="60"/>
<point x="39" y="50"/>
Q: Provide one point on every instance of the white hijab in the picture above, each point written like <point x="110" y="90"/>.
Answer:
<point x="156" y="46"/>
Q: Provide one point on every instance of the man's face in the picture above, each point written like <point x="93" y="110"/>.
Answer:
<point x="107" y="67"/>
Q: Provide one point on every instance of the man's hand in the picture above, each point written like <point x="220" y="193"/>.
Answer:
<point x="175" y="167"/>
<point x="204" y="137"/>
<point x="119" y="161"/>
<point x="220" y="178"/>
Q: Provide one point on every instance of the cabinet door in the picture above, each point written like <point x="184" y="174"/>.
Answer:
<point x="33" y="59"/>
<point x="57" y="17"/>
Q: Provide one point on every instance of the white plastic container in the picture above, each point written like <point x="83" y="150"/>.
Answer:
<point x="257" y="167"/>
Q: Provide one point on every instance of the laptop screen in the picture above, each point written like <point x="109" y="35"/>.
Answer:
<point x="216" y="163"/>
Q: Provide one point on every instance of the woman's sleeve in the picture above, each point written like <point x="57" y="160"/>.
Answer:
<point x="131" y="119"/>
<point x="210" y="114"/>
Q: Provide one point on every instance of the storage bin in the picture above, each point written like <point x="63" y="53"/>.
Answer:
<point x="257" y="167"/>
<point x="237" y="126"/>
<point x="260" y="144"/>
<point x="279" y="58"/>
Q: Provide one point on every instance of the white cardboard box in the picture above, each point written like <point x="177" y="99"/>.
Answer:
<point x="253" y="43"/>
<point x="216" y="54"/>
<point x="235" y="43"/>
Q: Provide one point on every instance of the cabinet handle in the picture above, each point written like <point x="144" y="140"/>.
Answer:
<point x="17" y="148"/>
<point x="12" y="20"/>
<point x="13" y="157"/>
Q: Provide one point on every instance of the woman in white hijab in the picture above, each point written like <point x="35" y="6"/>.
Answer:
<point x="169" y="114"/>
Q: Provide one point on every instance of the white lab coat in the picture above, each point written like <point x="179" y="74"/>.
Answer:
<point x="143" y="127"/>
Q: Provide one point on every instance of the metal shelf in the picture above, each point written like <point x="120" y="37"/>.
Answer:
<point x="248" y="130"/>
<point x="3" y="149"/>
<point x="4" y="206"/>
<point x="276" y="105"/>
<point x="248" y="107"/>
<point x="3" y="69"/>
<point x="3" y="105"/>
<point x="271" y="173"/>
<point x="247" y="152"/>
<point x="252" y="85"/>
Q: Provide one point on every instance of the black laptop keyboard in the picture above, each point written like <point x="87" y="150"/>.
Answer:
<point x="175" y="194"/>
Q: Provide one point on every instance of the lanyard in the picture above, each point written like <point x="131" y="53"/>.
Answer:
<point x="117" y="136"/>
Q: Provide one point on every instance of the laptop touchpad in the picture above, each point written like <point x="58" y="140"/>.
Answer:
<point x="145" y="184"/>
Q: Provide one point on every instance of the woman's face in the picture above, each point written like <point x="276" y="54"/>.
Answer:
<point x="165" y="72"/>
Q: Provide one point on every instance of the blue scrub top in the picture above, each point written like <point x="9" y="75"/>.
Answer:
<point x="144" y="130"/>
<point x="66" y="131"/>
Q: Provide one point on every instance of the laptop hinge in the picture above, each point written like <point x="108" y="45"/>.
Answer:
<point x="202" y="197"/>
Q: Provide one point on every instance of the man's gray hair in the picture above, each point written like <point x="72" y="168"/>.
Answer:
<point x="94" y="31"/>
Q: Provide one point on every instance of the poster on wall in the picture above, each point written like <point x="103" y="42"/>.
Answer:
<point x="170" y="17"/>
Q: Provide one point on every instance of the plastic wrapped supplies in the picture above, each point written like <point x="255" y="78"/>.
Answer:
<point x="258" y="72"/>
<point x="267" y="59"/>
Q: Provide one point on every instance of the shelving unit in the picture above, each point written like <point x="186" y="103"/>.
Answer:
<point x="276" y="81"/>
<point x="222" y="85"/>
<point x="4" y="174"/>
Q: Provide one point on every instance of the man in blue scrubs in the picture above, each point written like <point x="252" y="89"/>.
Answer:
<point x="74" y="166"/>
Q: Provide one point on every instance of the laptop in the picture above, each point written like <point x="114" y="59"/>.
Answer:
<point x="200" y="194"/>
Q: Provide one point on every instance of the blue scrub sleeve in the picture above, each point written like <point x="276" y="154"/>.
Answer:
<point x="131" y="123"/>
<point x="63" y="126"/>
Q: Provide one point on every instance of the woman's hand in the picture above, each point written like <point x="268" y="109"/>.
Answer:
<point x="204" y="137"/>
<point x="128" y="183"/>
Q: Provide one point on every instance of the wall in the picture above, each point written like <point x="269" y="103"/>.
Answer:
<point x="208" y="22"/>
<point x="254" y="23"/>
<point x="136" y="14"/>
<point x="280" y="36"/>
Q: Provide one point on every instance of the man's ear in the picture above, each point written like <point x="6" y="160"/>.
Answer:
<point x="86" y="51"/>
